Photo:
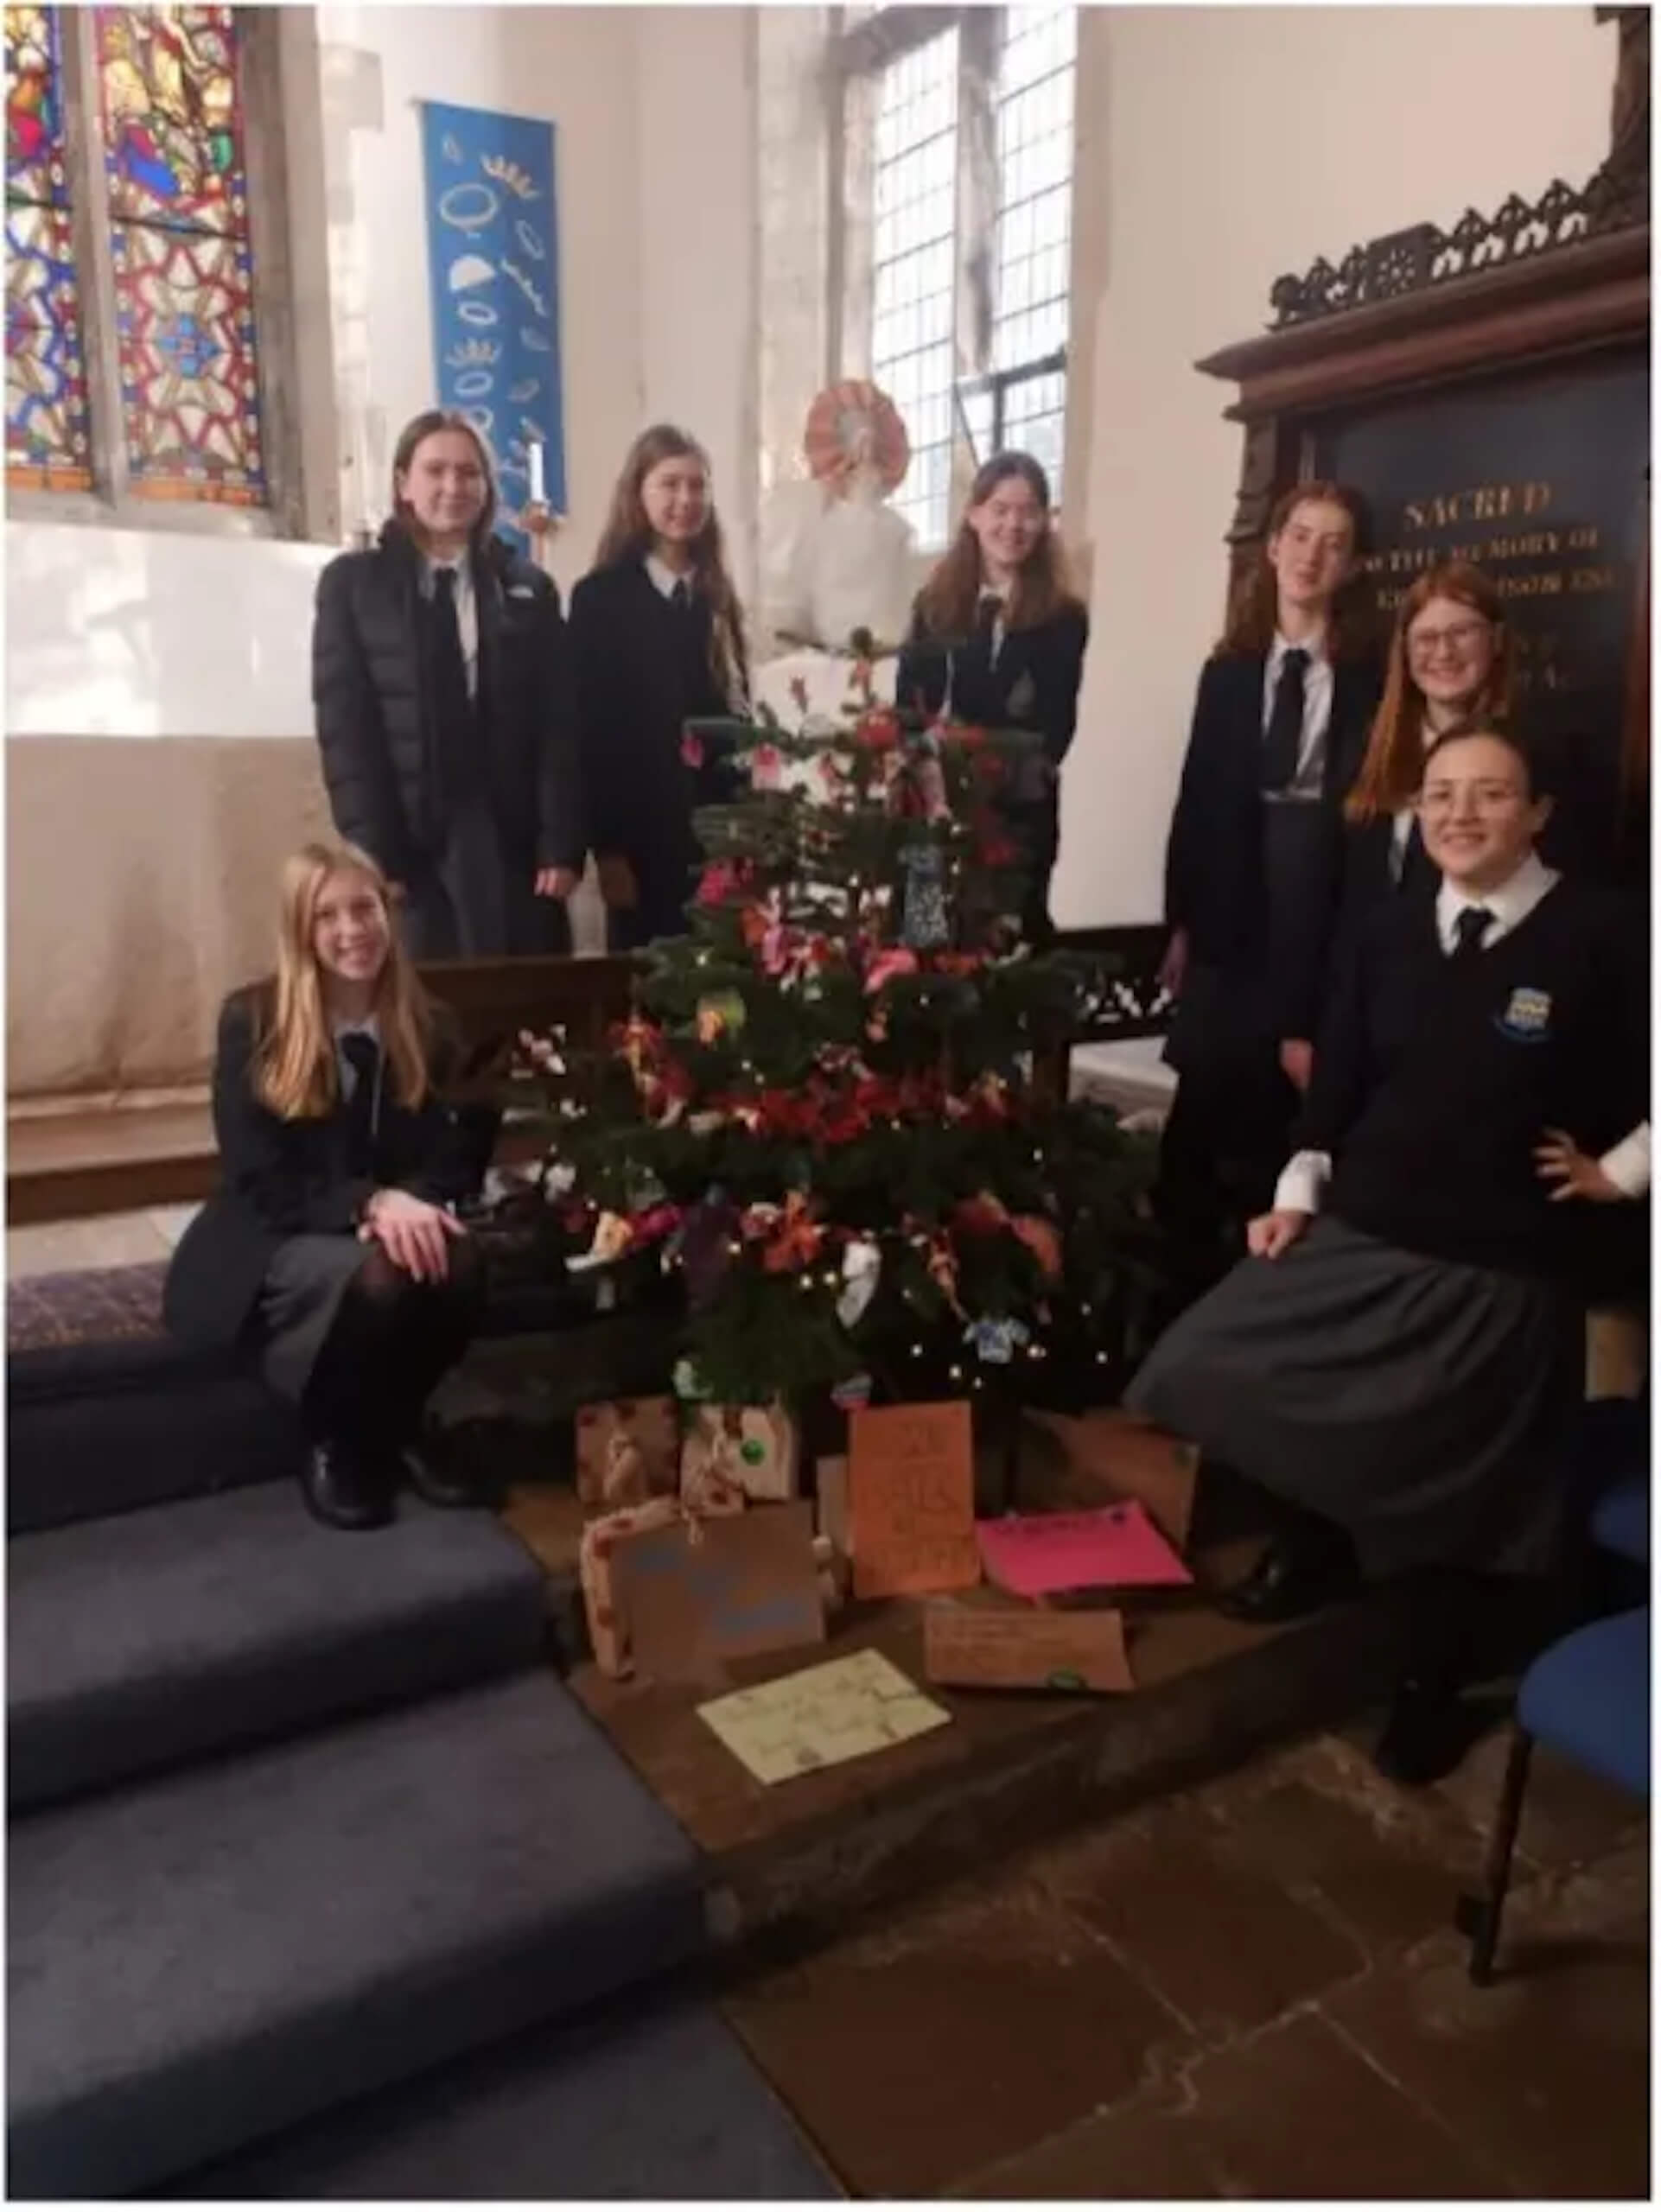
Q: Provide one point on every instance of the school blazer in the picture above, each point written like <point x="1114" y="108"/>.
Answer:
<point x="1033" y="684"/>
<point x="1214" y="883"/>
<point x="281" y="1178"/>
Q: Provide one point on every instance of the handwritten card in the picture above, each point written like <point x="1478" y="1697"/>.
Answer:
<point x="724" y="1588"/>
<point x="911" y="1499"/>
<point x="819" y="1717"/>
<point x="1011" y="1648"/>
<point x="1117" y="1548"/>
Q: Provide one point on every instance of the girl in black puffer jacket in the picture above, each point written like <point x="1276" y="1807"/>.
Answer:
<point x="441" y="680"/>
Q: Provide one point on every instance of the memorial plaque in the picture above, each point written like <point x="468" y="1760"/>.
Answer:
<point x="1539" y="480"/>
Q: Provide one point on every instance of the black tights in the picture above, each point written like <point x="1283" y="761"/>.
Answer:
<point x="392" y="1340"/>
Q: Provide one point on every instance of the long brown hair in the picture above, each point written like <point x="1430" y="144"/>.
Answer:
<point x="628" y="535"/>
<point x="948" y="600"/>
<point x="296" y="1074"/>
<point x="1254" y="611"/>
<point x="1393" y="766"/>
<point x="414" y="434"/>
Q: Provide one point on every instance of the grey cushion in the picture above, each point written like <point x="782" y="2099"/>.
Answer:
<point x="215" y="1955"/>
<point x="135" y="1643"/>
<point x="655" y="2104"/>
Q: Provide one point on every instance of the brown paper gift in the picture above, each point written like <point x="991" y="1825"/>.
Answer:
<point x="749" y="1449"/>
<point x="628" y="1450"/>
<point x="608" y="1630"/>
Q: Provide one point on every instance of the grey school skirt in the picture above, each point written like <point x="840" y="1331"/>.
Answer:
<point x="298" y="1301"/>
<point x="1415" y="1401"/>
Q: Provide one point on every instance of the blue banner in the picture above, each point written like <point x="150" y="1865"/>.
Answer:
<point x="493" y="255"/>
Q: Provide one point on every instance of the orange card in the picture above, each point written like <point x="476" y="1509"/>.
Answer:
<point x="911" y="1499"/>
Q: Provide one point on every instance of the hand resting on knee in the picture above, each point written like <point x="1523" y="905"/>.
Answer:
<point x="1273" y="1233"/>
<point x="414" y="1235"/>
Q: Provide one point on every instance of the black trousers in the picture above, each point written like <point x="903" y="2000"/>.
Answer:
<point x="392" y="1341"/>
<point x="476" y="900"/>
<point x="1227" y="1137"/>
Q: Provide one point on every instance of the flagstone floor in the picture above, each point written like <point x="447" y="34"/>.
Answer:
<point x="1251" y="1990"/>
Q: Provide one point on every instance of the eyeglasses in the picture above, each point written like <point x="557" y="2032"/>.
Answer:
<point x="1425" y="644"/>
<point x="1485" y="799"/>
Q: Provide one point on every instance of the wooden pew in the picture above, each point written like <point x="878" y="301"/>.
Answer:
<point x="85" y="1159"/>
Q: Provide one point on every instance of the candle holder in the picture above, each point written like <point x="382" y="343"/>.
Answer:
<point x="542" y="525"/>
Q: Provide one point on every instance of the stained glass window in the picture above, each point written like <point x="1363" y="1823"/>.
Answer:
<point x="49" y="445"/>
<point x="183" y="266"/>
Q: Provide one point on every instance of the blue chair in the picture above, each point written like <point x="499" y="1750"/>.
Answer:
<point x="1620" y="1519"/>
<point x="1589" y="1698"/>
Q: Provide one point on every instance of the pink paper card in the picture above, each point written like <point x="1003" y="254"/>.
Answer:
<point x="1117" y="1547"/>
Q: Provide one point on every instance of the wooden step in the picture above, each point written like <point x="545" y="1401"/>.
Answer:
<point x="67" y="1158"/>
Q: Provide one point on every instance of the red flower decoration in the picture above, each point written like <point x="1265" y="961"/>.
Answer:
<point x="691" y="748"/>
<point x="879" y="730"/>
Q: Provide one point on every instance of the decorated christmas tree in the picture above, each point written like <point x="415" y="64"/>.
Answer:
<point x="827" y="1116"/>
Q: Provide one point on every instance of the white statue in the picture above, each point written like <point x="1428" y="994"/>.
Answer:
<point x="837" y="559"/>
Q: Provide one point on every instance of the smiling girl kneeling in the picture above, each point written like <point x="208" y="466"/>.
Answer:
<point x="329" y="1247"/>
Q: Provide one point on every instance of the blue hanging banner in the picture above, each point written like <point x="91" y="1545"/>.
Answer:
<point x="492" y="257"/>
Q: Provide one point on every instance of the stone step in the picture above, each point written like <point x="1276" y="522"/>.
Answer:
<point x="136" y="1642"/>
<point x="207" y="1959"/>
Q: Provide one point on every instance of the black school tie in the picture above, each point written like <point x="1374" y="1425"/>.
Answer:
<point x="1470" y="927"/>
<point x="362" y="1054"/>
<point x="681" y="597"/>
<point x="450" y="665"/>
<point x="1283" y="739"/>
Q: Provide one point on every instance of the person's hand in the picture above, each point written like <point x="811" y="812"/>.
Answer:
<point x="414" y="1235"/>
<point x="1297" y="1061"/>
<point x="1271" y="1234"/>
<point x="1577" y="1175"/>
<point x="1173" y="969"/>
<point x="617" y="884"/>
<point x="556" y="882"/>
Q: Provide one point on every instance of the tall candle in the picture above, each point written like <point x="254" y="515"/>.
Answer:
<point x="538" y="490"/>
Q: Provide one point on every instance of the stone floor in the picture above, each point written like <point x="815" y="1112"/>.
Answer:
<point x="1252" y="1990"/>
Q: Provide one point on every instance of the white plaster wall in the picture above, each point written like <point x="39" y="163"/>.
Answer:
<point x="696" y="200"/>
<point x="1236" y="144"/>
<point x="147" y="633"/>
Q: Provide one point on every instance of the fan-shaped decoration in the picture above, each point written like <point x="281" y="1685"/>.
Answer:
<point x="851" y="419"/>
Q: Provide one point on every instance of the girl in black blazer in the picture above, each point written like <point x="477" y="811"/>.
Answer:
<point x="441" y="680"/>
<point x="997" y="640"/>
<point x="1450" y="662"/>
<point x="1254" y="869"/>
<point x="329" y="1246"/>
<point x="657" y="638"/>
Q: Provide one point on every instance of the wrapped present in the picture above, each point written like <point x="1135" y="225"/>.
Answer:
<point x="628" y="1450"/>
<point x="749" y="1449"/>
<point x="601" y="1540"/>
<point x="672" y="1593"/>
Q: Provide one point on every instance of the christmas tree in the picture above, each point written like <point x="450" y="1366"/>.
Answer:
<point x="827" y="1115"/>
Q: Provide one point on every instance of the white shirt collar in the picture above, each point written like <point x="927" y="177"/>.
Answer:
<point x="664" y="577"/>
<point x="369" y="1026"/>
<point x="1510" y="902"/>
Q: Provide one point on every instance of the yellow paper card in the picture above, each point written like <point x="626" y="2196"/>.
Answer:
<point x="821" y="1716"/>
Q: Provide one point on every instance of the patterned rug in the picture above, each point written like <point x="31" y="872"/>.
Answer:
<point x="89" y="1306"/>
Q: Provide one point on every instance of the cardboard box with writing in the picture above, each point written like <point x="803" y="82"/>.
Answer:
<point x="911" y="1499"/>
<point x="694" y="1594"/>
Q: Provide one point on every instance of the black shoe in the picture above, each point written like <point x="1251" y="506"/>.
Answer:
<point x="341" y="1490"/>
<point x="423" y="1466"/>
<point x="1426" y="1734"/>
<point x="1293" y="1577"/>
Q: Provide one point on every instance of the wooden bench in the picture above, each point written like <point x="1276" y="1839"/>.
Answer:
<point x="115" y="1158"/>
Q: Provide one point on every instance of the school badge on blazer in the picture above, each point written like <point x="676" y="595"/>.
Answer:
<point x="1527" y="1018"/>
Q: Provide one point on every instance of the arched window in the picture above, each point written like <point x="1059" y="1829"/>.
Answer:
<point x="134" y="316"/>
